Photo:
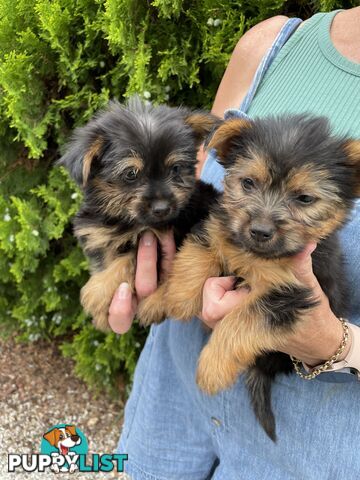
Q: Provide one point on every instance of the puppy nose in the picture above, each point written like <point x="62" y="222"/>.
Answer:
<point x="262" y="233"/>
<point x="160" y="208"/>
<point x="75" y="438"/>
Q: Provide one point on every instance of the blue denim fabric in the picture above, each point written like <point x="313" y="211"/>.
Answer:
<point x="172" y="431"/>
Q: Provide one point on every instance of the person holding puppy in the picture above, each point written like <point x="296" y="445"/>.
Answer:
<point x="171" y="429"/>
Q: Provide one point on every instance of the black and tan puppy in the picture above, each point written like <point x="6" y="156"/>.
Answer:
<point x="136" y="166"/>
<point x="288" y="182"/>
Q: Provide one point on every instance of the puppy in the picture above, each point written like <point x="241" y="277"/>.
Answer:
<point x="63" y="439"/>
<point x="288" y="182"/>
<point x="136" y="166"/>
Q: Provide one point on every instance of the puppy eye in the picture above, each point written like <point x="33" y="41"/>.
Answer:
<point x="305" y="199"/>
<point x="247" y="184"/>
<point x="131" y="174"/>
<point x="176" y="169"/>
<point x="61" y="437"/>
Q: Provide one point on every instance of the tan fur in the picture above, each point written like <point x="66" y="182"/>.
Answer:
<point x="242" y="335"/>
<point x="227" y="355"/>
<point x="112" y="198"/>
<point x="181" y="195"/>
<point x="352" y="149"/>
<point x="88" y="158"/>
<point x="222" y="137"/>
<point x="152" y="309"/>
<point x="172" y="159"/>
<point x="96" y="237"/>
<point x="332" y="223"/>
<point x="259" y="272"/>
<point x="201" y="123"/>
<point x="184" y="302"/>
<point x="317" y="183"/>
<point x="256" y="169"/>
<point x="105" y="238"/>
<point x="131" y="162"/>
<point x="97" y="293"/>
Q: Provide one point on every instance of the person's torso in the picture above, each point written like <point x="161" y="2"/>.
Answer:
<point x="310" y="75"/>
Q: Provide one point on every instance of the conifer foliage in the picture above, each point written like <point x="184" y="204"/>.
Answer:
<point x="60" y="61"/>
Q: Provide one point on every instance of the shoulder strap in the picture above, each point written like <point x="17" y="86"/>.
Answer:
<point x="212" y="171"/>
<point x="286" y="31"/>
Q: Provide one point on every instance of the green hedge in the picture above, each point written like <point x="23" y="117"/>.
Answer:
<point x="60" y="60"/>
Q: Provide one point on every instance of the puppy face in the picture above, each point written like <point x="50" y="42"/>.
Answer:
<point x="138" y="161"/>
<point x="63" y="438"/>
<point x="288" y="182"/>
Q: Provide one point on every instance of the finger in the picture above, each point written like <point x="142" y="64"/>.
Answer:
<point x="302" y="264"/>
<point x="219" y="299"/>
<point x="168" y="251"/>
<point x="146" y="268"/>
<point x="215" y="289"/>
<point x="122" y="309"/>
<point x="215" y="310"/>
<point x="218" y="286"/>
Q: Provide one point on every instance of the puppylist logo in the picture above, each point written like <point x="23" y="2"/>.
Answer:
<point x="64" y="448"/>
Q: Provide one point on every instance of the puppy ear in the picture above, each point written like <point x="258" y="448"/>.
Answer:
<point x="224" y="138"/>
<point x="51" y="436"/>
<point x="85" y="147"/>
<point x="71" y="429"/>
<point x="352" y="150"/>
<point x="202" y="124"/>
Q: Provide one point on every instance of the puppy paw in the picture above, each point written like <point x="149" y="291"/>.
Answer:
<point x="96" y="302"/>
<point x="207" y="381"/>
<point x="55" y="468"/>
<point x="214" y="372"/>
<point x="150" y="311"/>
<point x="73" y="468"/>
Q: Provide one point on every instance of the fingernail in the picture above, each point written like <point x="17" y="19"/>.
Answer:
<point x="148" y="239"/>
<point x="124" y="291"/>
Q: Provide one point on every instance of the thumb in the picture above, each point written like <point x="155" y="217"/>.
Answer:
<point x="302" y="266"/>
<point x="223" y="284"/>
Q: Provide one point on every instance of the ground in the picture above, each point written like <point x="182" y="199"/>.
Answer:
<point x="38" y="389"/>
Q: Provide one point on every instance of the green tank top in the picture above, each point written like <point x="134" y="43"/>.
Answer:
<point x="310" y="75"/>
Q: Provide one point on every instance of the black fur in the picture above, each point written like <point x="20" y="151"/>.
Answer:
<point x="283" y="306"/>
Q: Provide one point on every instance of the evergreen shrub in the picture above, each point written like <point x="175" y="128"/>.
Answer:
<point x="60" y="61"/>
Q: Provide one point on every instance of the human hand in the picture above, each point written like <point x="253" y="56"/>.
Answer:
<point x="124" y="304"/>
<point x="219" y="299"/>
<point x="315" y="339"/>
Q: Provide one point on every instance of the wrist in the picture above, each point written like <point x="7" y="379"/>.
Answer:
<point x="333" y="363"/>
<point x="324" y="344"/>
<point x="351" y="355"/>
